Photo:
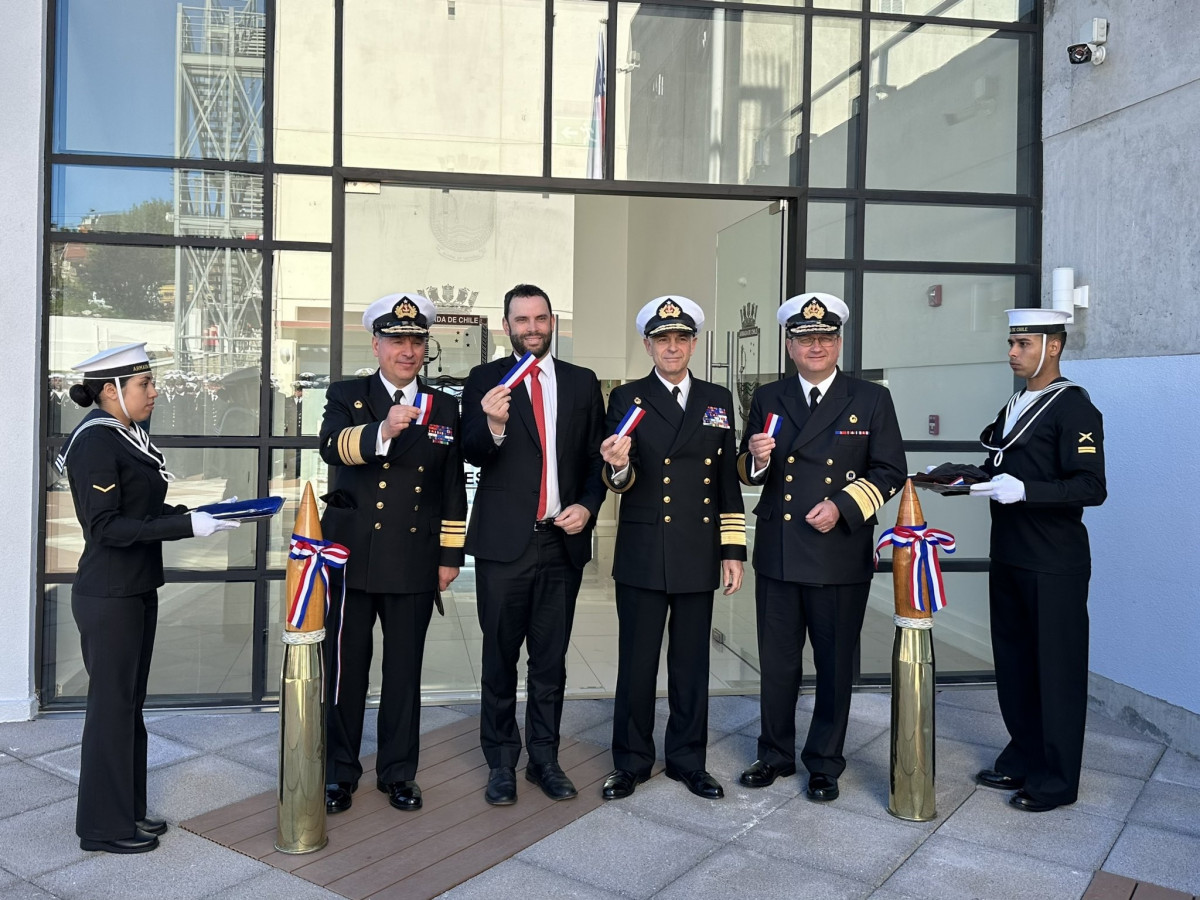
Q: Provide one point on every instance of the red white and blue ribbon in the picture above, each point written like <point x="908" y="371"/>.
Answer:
<point x="424" y="403"/>
<point x="772" y="425"/>
<point x="922" y="543"/>
<point x="631" y="420"/>
<point x="319" y="557"/>
<point x="520" y="370"/>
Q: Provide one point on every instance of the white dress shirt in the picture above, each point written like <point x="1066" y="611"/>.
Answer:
<point x="805" y="389"/>
<point x="410" y="398"/>
<point x="549" y="383"/>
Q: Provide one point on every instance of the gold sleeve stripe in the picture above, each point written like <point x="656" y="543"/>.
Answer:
<point x="733" y="538"/>
<point x="866" y="501"/>
<point x="453" y="541"/>
<point x="349" y="440"/>
<point x="743" y="468"/>
<point x="605" y="476"/>
<point x="454" y="525"/>
<point x="733" y="517"/>
<point x="733" y="529"/>
<point x="1086" y="449"/>
<point x="454" y="533"/>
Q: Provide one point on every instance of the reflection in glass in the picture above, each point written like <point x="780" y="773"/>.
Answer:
<point x="990" y="10"/>
<point x="577" y="132"/>
<point x="198" y="309"/>
<point x="945" y="112"/>
<point x="291" y="469"/>
<point x="303" y="208"/>
<point x="304" y="82"/>
<point x="707" y="96"/>
<point x="836" y="77"/>
<point x="149" y="78"/>
<point x="203" y="645"/>
<point x="300" y="368"/>
<point x="441" y="90"/>
<point x="830" y="230"/>
<point x="156" y="201"/>
<point x="952" y="366"/>
<point x="944" y="233"/>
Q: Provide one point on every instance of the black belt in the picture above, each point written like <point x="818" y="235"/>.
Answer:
<point x="543" y="525"/>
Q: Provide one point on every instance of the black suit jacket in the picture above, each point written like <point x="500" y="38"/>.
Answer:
<point x="510" y="474"/>
<point x="118" y="494"/>
<point x="681" y="506"/>
<point x="848" y="451"/>
<point x="404" y="514"/>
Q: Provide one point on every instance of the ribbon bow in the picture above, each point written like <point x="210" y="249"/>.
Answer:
<point x="319" y="557"/>
<point x="922" y="542"/>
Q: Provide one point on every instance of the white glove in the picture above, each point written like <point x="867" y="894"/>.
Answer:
<point x="204" y="525"/>
<point x="232" y="499"/>
<point x="1002" y="488"/>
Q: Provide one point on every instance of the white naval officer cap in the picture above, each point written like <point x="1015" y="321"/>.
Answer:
<point x="1037" y="321"/>
<point x="671" y="313"/>
<point x="813" y="313"/>
<point x="115" y="362"/>
<point x="404" y="313"/>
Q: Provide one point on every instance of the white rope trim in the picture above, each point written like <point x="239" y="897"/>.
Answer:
<point x="303" y="637"/>
<point x="905" y="622"/>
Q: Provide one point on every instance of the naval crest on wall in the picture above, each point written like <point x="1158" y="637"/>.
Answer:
<point x="462" y="222"/>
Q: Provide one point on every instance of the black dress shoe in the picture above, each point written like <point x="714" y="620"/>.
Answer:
<point x="1022" y="800"/>
<point x="993" y="779"/>
<point x="620" y="784"/>
<point x="822" y="788"/>
<point x="403" y="795"/>
<point x="698" y="782"/>
<point x="337" y="797"/>
<point x="501" y="786"/>
<point x="761" y="774"/>
<point x="551" y="779"/>
<point x="141" y="842"/>
<point x="151" y="826"/>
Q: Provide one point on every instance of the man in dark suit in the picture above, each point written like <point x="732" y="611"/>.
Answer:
<point x="835" y="460"/>
<point x="682" y="527"/>
<point x="1046" y="459"/>
<point x="538" y="447"/>
<point x="398" y="500"/>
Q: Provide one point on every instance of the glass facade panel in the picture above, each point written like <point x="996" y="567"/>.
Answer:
<point x="300" y="367"/>
<point x="290" y="471"/>
<point x="304" y="46"/>
<point x="945" y="233"/>
<point x="438" y="88"/>
<point x="156" y="201"/>
<point x="830" y="230"/>
<point x="148" y="78"/>
<point x="709" y="96"/>
<point x="577" y="130"/>
<point x="940" y="342"/>
<point x="198" y="309"/>
<point x="303" y="208"/>
<point x="202" y="648"/>
<point x="836" y="86"/>
<point x="990" y="10"/>
<point x="946" y="111"/>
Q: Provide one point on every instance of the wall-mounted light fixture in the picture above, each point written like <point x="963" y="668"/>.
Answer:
<point x="1064" y="295"/>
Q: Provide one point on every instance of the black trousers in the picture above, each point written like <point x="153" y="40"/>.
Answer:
<point x="532" y="601"/>
<point x="687" y="618"/>
<point x="1040" y="646"/>
<point x="404" y="619"/>
<point x="832" y="616"/>
<point x="117" y="638"/>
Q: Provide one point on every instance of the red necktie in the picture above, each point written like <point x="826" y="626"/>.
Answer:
<point x="539" y="416"/>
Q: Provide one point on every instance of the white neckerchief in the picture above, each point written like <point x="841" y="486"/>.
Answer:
<point x="137" y="436"/>
<point x="1050" y="394"/>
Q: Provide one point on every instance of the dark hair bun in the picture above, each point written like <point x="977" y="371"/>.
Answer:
<point x="83" y="395"/>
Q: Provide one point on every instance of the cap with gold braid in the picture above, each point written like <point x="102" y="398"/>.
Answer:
<point x="673" y="313"/>
<point x="813" y="313"/>
<point x="403" y="313"/>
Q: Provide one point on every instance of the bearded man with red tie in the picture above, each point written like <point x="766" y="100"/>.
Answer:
<point x="536" y="439"/>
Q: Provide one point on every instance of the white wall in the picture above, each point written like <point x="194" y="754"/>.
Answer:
<point x="1146" y="537"/>
<point x="21" y="73"/>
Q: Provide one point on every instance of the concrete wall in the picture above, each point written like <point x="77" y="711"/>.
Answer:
<point x="22" y="73"/>
<point x="1122" y="208"/>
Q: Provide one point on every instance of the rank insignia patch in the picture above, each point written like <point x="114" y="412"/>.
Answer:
<point x="716" y="417"/>
<point x="441" y="434"/>
<point x="1086" y="438"/>
<point x="104" y="490"/>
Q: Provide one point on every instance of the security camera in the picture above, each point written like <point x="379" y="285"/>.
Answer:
<point x="1090" y="48"/>
<point x="1079" y="54"/>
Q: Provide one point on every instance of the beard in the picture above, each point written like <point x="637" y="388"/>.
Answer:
<point x="520" y="348"/>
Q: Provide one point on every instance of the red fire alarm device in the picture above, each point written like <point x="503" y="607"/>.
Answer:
<point x="934" y="294"/>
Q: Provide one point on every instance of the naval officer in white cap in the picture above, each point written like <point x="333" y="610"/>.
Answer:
<point x="119" y="484"/>
<point x="1046" y="459"/>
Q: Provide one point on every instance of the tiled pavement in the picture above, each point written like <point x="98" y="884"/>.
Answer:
<point x="1138" y="815"/>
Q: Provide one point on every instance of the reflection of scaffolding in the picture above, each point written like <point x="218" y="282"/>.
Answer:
<point x="221" y="57"/>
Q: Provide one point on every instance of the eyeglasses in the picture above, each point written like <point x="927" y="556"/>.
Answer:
<point x="807" y="340"/>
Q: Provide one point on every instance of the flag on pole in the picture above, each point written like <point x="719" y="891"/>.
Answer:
<point x="596" y="135"/>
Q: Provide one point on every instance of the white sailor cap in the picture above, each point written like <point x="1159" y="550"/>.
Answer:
<point x="673" y="313"/>
<point x="404" y="313"/>
<point x="1037" y="321"/>
<point x="813" y="313"/>
<point x="116" y="362"/>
